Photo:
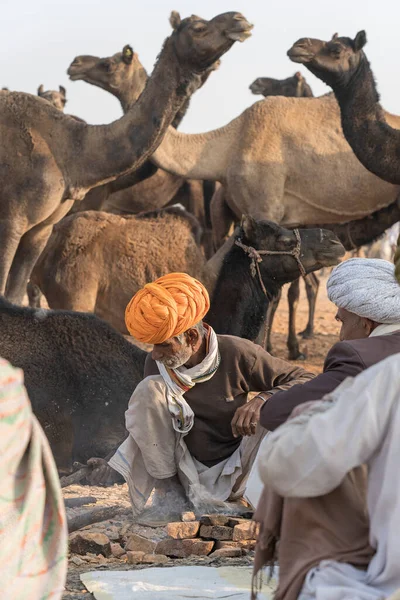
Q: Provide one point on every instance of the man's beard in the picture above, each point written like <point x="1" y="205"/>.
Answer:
<point x="179" y="359"/>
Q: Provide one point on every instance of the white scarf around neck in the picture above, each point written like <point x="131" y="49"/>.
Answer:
<point x="181" y="413"/>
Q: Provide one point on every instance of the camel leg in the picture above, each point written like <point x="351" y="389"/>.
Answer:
<point x="221" y="218"/>
<point x="271" y="310"/>
<point x="9" y="240"/>
<point x="292" y="342"/>
<point x="312" y="287"/>
<point x="29" y="249"/>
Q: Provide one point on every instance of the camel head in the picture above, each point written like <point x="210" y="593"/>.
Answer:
<point x="295" y="86"/>
<point x="56" y="98"/>
<point x="111" y="73"/>
<point x="333" y="62"/>
<point x="199" y="43"/>
<point x="318" y="248"/>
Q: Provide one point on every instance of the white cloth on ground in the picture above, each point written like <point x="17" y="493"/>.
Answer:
<point x="154" y="450"/>
<point x="366" y="287"/>
<point x="308" y="456"/>
<point x="181" y="413"/>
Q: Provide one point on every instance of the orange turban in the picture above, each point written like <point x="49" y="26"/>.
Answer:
<point x="166" y="308"/>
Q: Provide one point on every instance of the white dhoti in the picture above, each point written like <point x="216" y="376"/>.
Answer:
<point x="155" y="450"/>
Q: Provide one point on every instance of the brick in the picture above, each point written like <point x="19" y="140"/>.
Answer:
<point x="135" y="558"/>
<point x="155" y="559"/>
<point x="94" y="543"/>
<point x="184" y="548"/>
<point x="216" y="532"/>
<point x="188" y="516"/>
<point x="245" y="531"/>
<point x="138" y="543"/>
<point x="248" y="544"/>
<point x="236" y="521"/>
<point x="117" y="551"/>
<point x="227" y="553"/>
<point x="182" y="531"/>
<point x="215" y="520"/>
<point x="227" y="544"/>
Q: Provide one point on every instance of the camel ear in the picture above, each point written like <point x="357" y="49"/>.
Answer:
<point x="127" y="54"/>
<point x="40" y="90"/>
<point x="335" y="36"/>
<point x="298" y="76"/>
<point x="63" y="91"/>
<point x="360" y="40"/>
<point x="249" y="226"/>
<point x="175" y="19"/>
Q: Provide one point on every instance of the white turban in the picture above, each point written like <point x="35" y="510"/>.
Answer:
<point x="366" y="287"/>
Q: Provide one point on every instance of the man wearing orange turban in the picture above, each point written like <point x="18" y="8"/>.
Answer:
<point x="191" y="419"/>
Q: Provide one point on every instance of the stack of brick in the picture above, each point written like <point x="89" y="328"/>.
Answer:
<point x="212" y="535"/>
<point x="216" y="536"/>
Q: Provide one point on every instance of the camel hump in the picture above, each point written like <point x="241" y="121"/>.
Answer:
<point x="176" y="211"/>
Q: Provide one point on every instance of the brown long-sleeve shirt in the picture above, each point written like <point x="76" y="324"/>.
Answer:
<point x="345" y="359"/>
<point x="245" y="367"/>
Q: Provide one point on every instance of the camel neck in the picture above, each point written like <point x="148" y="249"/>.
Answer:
<point x="108" y="151"/>
<point x="375" y="143"/>
<point x="238" y="304"/>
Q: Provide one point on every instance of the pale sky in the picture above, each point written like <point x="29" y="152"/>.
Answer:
<point x="39" y="39"/>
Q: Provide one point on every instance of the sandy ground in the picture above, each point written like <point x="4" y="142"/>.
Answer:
<point x="326" y="335"/>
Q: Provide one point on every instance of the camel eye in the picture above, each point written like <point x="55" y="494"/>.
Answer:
<point x="199" y="28"/>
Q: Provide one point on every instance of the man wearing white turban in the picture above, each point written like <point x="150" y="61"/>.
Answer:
<point x="333" y="526"/>
<point x="367" y="296"/>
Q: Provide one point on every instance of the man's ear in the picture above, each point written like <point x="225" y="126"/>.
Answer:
<point x="192" y="336"/>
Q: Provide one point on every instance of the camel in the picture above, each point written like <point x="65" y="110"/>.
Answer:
<point x="51" y="160"/>
<point x="80" y="373"/>
<point x="371" y="132"/>
<point x="292" y="87"/>
<point x="57" y="99"/>
<point x="124" y="76"/>
<point x="95" y="261"/>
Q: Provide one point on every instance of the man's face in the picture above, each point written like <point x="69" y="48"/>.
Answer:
<point x="353" y="327"/>
<point x="174" y="352"/>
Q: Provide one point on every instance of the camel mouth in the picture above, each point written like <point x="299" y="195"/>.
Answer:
<point x="300" y="55"/>
<point x="240" y="35"/>
<point x="255" y="89"/>
<point x="332" y="255"/>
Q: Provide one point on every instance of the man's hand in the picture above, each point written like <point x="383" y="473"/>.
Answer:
<point x="246" y="417"/>
<point x="101" y="471"/>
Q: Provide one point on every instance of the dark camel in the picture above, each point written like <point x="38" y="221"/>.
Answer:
<point x="80" y="372"/>
<point x="295" y="86"/>
<point x="52" y="160"/>
<point x="342" y="64"/>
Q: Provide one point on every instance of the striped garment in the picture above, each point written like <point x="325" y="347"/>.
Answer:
<point x="33" y="532"/>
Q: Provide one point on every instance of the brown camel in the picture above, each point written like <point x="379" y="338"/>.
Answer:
<point x="96" y="261"/>
<point x="56" y="98"/>
<point x="292" y="87"/>
<point x="50" y="160"/>
<point x="373" y="134"/>
<point x="124" y="76"/>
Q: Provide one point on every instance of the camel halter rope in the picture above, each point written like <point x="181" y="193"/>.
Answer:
<point x="256" y="258"/>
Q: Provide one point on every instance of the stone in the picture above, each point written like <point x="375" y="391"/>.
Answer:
<point x="197" y="547"/>
<point x="216" y="532"/>
<point x="214" y="519"/>
<point x="77" y="560"/>
<point x="245" y="531"/>
<point x="227" y="544"/>
<point x="182" y="531"/>
<point x="248" y="544"/>
<point x="184" y="548"/>
<point x="134" y="558"/>
<point x="112" y="533"/>
<point x="85" y="542"/>
<point x="116" y="550"/>
<point x="138" y="543"/>
<point x="236" y="521"/>
<point x="188" y="516"/>
<point x="155" y="559"/>
<point x="227" y="553"/>
<point x="101" y="559"/>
